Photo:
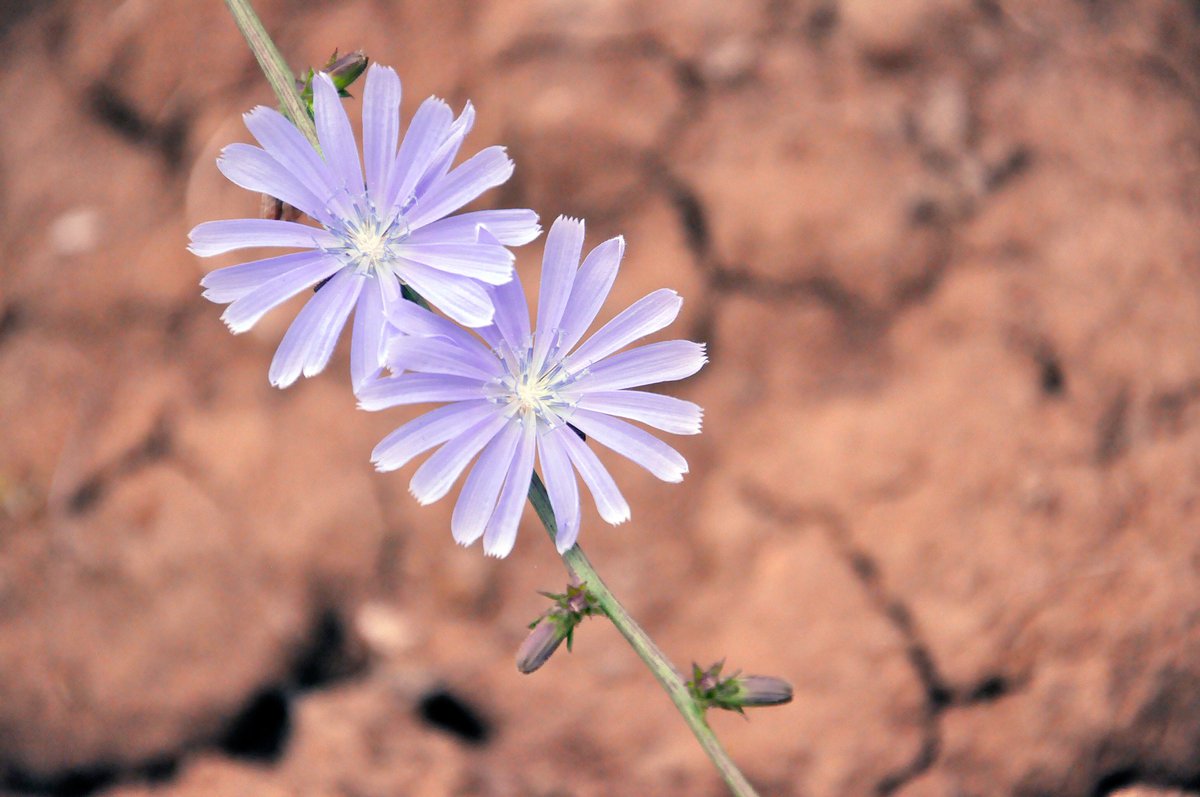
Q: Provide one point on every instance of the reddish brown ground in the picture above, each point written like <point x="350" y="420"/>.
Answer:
<point x="946" y="257"/>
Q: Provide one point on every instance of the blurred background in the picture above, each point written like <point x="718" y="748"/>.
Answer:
<point x="945" y="254"/>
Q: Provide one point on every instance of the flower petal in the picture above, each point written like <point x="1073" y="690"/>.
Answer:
<point x="249" y="308"/>
<point x="335" y="135"/>
<point x="654" y="409"/>
<point x="381" y="126"/>
<point x="611" y="505"/>
<point x="508" y="227"/>
<point x="501" y="531"/>
<point x="441" y="356"/>
<point x="477" y="501"/>
<point x="440" y="163"/>
<point x="433" y="428"/>
<point x="666" y="361"/>
<point x="461" y="298"/>
<point x="486" y="169"/>
<point x="410" y="318"/>
<point x="224" y="285"/>
<point x="394" y="391"/>
<point x="564" y="245"/>
<point x="254" y="169"/>
<point x="296" y="154"/>
<point x="512" y="313"/>
<point x="309" y="341"/>
<point x="367" y="335"/>
<point x="490" y="263"/>
<point x="217" y="237"/>
<point x="591" y="287"/>
<point x="562" y="488"/>
<point x="438" y="474"/>
<point x="644" y="317"/>
<point x="633" y="443"/>
<point x="425" y="133"/>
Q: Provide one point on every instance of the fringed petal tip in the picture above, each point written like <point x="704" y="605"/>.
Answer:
<point x="236" y="327"/>
<point x="421" y="498"/>
<point x="618" y="519"/>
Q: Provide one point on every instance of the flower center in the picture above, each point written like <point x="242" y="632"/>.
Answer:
<point x="368" y="244"/>
<point x="535" y="395"/>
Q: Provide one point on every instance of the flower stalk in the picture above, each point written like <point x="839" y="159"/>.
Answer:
<point x="657" y="662"/>
<point x="276" y="70"/>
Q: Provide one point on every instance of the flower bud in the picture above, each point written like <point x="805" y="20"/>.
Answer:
<point x="734" y="692"/>
<point x="540" y="645"/>
<point x="555" y="625"/>
<point x="762" y="690"/>
<point x="342" y="70"/>
<point x="346" y="69"/>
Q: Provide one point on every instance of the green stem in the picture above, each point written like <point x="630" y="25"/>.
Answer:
<point x="278" y="74"/>
<point x="658" y="663"/>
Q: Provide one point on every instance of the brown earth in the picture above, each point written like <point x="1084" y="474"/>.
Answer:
<point x="945" y="254"/>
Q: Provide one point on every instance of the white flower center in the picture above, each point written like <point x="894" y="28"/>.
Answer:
<point x="369" y="245"/>
<point x="542" y="396"/>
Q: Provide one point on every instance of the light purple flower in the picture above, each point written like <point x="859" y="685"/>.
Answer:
<point x="511" y="394"/>
<point x="383" y="222"/>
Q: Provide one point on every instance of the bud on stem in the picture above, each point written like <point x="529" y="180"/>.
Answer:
<point x="736" y="691"/>
<point x="555" y="625"/>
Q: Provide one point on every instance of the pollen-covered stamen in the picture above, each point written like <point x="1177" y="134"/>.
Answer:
<point x="529" y="393"/>
<point x="368" y="244"/>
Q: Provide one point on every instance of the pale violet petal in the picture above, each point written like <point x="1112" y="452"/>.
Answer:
<point x="611" y="505"/>
<point x="308" y="344"/>
<point x="666" y="361"/>
<point x="433" y="428"/>
<point x="395" y="391"/>
<point x="217" y="237"/>
<point x="224" y="285"/>
<point x="367" y="335"/>
<point x="438" y="474"/>
<point x="477" y="501"/>
<point x="512" y="312"/>
<point x="667" y="413"/>
<point x="508" y="227"/>
<point x="632" y="443"/>
<point x="644" y="317"/>
<point x="254" y="169"/>
<point x="564" y="245"/>
<point x="250" y="307"/>
<point x="381" y="127"/>
<point x="462" y="298"/>
<point x="442" y="159"/>
<point x="440" y="356"/>
<point x="412" y="319"/>
<point x="486" y="169"/>
<point x="562" y="487"/>
<point x="296" y="154"/>
<point x="501" y="532"/>
<point x="335" y="135"/>
<point x="592" y="284"/>
<point x="425" y="133"/>
<point x="490" y="263"/>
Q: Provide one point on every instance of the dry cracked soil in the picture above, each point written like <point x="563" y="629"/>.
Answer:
<point x="945" y="254"/>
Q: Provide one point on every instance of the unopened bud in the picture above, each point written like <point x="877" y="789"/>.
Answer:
<point x="540" y="645"/>
<point x="346" y="69"/>
<point x="342" y="70"/>
<point x="734" y="692"/>
<point x="555" y="625"/>
<point x="762" y="690"/>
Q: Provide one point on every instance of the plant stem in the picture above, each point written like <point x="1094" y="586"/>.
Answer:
<point x="277" y="71"/>
<point x="658" y="663"/>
